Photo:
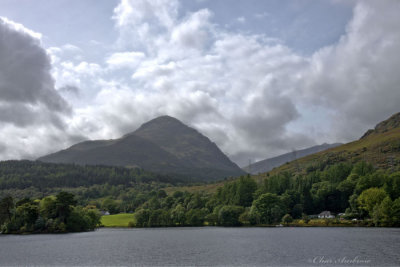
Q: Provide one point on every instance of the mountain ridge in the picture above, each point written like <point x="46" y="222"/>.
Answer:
<point x="163" y="145"/>
<point x="270" y="163"/>
<point x="380" y="147"/>
<point x="384" y="126"/>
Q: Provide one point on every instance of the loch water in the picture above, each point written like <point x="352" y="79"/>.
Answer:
<point x="206" y="246"/>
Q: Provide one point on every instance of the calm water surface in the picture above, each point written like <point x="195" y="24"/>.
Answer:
<point x="207" y="246"/>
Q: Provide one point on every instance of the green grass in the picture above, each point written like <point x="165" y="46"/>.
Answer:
<point x="117" y="220"/>
<point x="376" y="149"/>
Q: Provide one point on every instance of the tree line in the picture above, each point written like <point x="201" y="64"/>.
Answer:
<point x="24" y="174"/>
<point x="52" y="214"/>
<point x="359" y="191"/>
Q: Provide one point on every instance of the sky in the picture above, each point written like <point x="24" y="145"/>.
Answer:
<point x="259" y="78"/>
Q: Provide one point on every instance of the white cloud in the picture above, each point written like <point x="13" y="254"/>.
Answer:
<point x="68" y="73"/>
<point x="32" y="113"/>
<point x="25" y="69"/>
<point x="246" y="92"/>
<point x="139" y="21"/>
<point x="257" y="86"/>
<point x="232" y="87"/>
<point x="192" y="32"/>
<point x="134" y="12"/>
<point x="357" y="78"/>
<point x="17" y="27"/>
<point x="125" y="59"/>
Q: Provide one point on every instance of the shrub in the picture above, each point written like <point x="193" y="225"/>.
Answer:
<point x="229" y="215"/>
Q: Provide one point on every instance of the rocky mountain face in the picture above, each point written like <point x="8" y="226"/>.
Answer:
<point x="392" y="123"/>
<point x="163" y="145"/>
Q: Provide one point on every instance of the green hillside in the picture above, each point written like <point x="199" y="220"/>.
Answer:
<point x="33" y="179"/>
<point x="380" y="147"/>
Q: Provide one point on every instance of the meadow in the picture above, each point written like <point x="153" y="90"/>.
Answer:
<point x="117" y="220"/>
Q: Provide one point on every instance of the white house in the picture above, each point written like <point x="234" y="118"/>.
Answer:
<point x="326" y="215"/>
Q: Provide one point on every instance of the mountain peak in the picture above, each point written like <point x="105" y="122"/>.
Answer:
<point x="392" y="123"/>
<point x="162" y="120"/>
<point x="163" y="126"/>
<point x="164" y="145"/>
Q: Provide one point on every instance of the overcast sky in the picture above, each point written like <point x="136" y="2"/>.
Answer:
<point x="259" y="78"/>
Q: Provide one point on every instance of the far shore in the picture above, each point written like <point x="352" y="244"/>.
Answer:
<point x="126" y="220"/>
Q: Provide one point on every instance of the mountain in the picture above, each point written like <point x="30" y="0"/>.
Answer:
<point x="163" y="145"/>
<point x="390" y="124"/>
<point x="379" y="146"/>
<point x="268" y="164"/>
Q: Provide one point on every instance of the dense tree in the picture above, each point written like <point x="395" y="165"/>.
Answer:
<point x="47" y="207"/>
<point x="370" y="198"/>
<point x="82" y="220"/>
<point x="110" y="205"/>
<point x="178" y="215"/>
<point x="195" y="217"/>
<point x="359" y="190"/>
<point x="396" y="212"/>
<point x="50" y="214"/>
<point x="37" y="177"/>
<point x="142" y="217"/>
<point x="229" y="215"/>
<point x="63" y="203"/>
<point x="382" y="213"/>
<point x="6" y="206"/>
<point x="267" y="208"/>
<point x="239" y="192"/>
<point x="28" y="213"/>
<point x="245" y="189"/>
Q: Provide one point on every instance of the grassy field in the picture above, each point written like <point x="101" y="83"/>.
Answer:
<point x="117" y="220"/>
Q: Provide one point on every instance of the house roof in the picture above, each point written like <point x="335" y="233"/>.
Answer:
<point x="326" y="212"/>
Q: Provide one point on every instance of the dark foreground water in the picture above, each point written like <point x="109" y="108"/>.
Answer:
<point x="207" y="246"/>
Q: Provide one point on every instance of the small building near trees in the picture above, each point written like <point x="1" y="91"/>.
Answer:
<point x="326" y="215"/>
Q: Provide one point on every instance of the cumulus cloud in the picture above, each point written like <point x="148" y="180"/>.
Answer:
<point x="24" y="69"/>
<point x="357" y="78"/>
<point x="125" y="59"/>
<point x="135" y="12"/>
<point x="77" y="77"/>
<point x="193" y="32"/>
<point x="244" y="91"/>
<point x="139" y="21"/>
<point x="69" y="89"/>
<point x="69" y="51"/>
<point x="249" y="93"/>
<point x="30" y="107"/>
<point x="234" y="88"/>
